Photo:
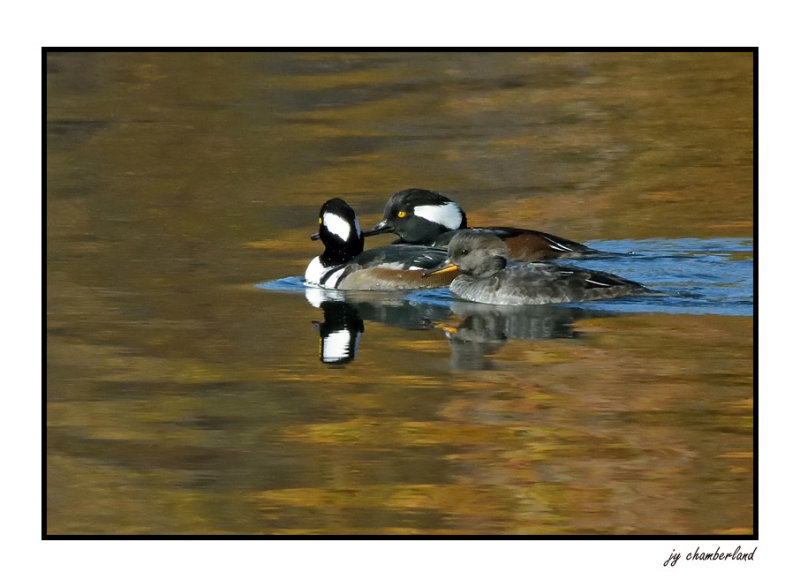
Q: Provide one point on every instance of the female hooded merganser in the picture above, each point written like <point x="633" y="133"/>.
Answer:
<point x="482" y="258"/>
<point x="345" y="265"/>
<point x="423" y="217"/>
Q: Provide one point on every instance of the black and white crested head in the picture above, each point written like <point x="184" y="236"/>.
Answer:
<point x="428" y="205"/>
<point x="338" y="220"/>
<point x="339" y="231"/>
<point x="420" y="216"/>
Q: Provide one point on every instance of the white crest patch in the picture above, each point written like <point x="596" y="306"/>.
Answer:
<point x="448" y="214"/>
<point x="336" y="346"/>
<point x="338" y="225"/>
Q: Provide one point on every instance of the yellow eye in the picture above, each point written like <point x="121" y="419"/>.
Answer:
<point x="401" y="214"/>
<point x="320" y="220"/>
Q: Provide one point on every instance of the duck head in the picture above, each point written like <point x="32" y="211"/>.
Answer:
<point x="475" y="253"/>
<point x="419" y="216"/>
<point x="339" y="231"/>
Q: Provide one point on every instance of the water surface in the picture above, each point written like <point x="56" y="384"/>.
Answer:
<point x="185" y="387"/>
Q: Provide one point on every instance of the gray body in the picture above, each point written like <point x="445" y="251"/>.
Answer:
<point x="542" y="283"/>
<point x="485" y="277"/>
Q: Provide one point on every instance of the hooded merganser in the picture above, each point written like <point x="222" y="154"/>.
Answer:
<point x="345" y="265"/>
<point x="423" y="217"/>
<point x="482" y="258"/>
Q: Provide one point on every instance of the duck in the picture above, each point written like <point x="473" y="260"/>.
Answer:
<point x="424" y="217"/>
<point x="344" y="265"/>
<point x="486" y="277"/>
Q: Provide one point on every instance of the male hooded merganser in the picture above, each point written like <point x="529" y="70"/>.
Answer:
<point x="345" y="265"/>
<point x="423" y="217"/>
<point x="482" y="258"/>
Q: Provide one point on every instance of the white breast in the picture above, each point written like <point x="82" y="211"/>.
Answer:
<point x="332" y="280"/>
<point x="314" y="271"/>
<point x="321" y="276"/>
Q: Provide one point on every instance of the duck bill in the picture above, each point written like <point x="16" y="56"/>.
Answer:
<point x="382" y="227"/>
<point x="315" y="236"/>
<point x="446" y="268"/>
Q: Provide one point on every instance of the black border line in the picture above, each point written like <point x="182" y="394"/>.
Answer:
<point x="632" y="537"/>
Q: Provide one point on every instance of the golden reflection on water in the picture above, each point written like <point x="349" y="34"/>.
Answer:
<point x="180" y="399"/>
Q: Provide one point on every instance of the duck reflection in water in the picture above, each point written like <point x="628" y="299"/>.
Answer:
<point x="475" y="331"/>
<point x="339" y="332"/>
<point x="472" y="330"/>
<point x="344" y="314"/>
